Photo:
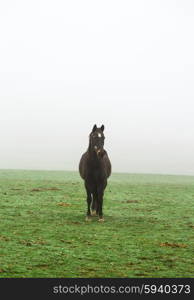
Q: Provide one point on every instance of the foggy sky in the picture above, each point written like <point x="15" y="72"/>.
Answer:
<point x="67" y="65"/>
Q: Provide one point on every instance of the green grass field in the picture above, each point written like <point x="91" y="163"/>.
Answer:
<point x="148" y="228"/>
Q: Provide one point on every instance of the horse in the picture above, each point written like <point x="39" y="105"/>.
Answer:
<point x="94" y="169"/>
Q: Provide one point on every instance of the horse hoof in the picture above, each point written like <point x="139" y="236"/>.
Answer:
<point x="93" y="213"/>
<point x="88" y="219"/>
<point x="101" y="220"/>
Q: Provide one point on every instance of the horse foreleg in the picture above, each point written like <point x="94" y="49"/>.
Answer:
<point x="94" y="204"/>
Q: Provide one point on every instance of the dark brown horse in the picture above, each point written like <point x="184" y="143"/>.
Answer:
<point x="95" y="168"/>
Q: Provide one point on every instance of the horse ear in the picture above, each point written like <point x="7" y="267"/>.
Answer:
<point x="102" y="128"/>
<point x="94" y="128"/>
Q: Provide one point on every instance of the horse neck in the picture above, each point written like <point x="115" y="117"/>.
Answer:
<point x="92" y="155"/>
<point x="90" y="150"/>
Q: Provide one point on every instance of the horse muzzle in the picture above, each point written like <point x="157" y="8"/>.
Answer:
<point x="98" y="150"/>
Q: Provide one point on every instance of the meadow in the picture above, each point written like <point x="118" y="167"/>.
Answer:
<point x="148" y="228"/>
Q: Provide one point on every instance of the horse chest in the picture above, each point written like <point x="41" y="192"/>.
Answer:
<point x="95" y="173"/>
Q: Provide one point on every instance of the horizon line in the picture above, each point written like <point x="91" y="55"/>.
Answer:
<point x="115" y="172"/>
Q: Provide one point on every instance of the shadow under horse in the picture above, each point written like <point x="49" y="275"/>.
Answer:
<point x="95" y="168"/>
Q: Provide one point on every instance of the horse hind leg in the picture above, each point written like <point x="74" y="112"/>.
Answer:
<point x="100" y="205"/>
<point x="89" y="200"/>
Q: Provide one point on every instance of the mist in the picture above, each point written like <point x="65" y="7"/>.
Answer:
<point x="67" y="65"/>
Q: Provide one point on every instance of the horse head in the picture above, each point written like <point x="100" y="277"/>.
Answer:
<point x="97" y="140"/>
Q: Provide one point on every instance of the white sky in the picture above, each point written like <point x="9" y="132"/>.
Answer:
<point x="66" y="65"/>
